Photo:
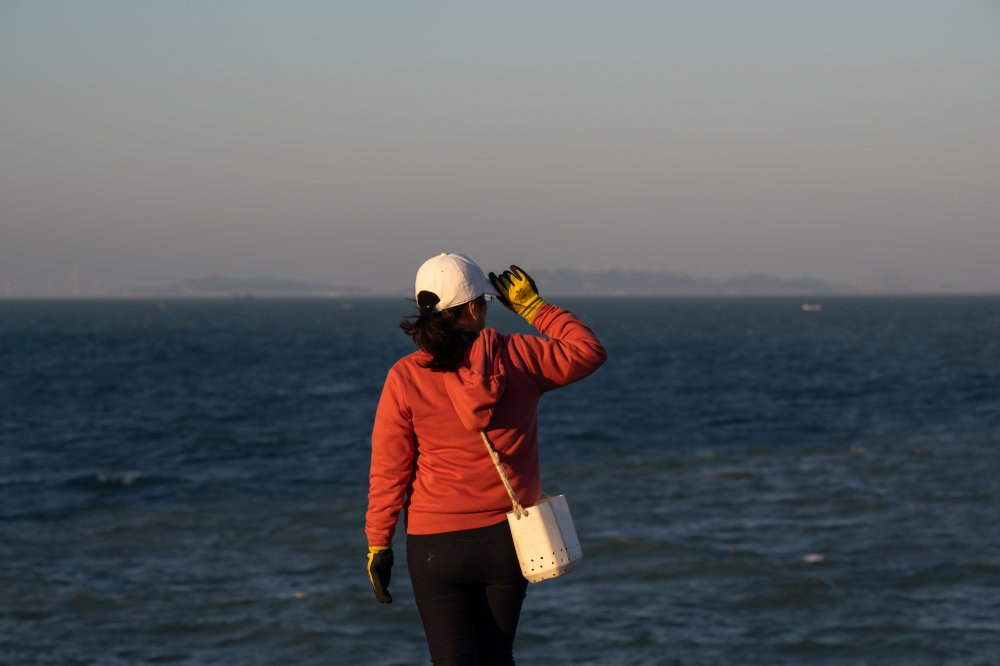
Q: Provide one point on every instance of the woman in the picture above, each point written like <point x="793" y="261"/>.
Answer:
<point x="428" y="457"/>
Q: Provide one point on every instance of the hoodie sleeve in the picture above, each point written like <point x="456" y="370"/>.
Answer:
<point x="571" y="353"/>
<point x="391" y="463"/>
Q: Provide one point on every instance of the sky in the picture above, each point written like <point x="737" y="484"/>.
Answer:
<point x="143" y="143"/>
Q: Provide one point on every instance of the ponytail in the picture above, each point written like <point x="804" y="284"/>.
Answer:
<point x="438" y="332"/>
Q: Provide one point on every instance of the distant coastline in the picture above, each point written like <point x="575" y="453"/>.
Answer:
<point x="218" y="286"/>
<point x="563" y="282"/>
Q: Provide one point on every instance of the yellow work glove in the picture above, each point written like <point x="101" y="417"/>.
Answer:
<point x="518" y="292"/>
<point x="379" y="571"/>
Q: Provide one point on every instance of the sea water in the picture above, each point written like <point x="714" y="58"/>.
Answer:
<point x="185" y="482"/>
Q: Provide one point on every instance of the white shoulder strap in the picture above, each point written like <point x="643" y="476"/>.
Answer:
<point x="518" y="509"/>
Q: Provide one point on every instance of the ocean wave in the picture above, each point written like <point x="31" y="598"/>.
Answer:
<point x="115" y="479"/>
<point x="335" y="389"/>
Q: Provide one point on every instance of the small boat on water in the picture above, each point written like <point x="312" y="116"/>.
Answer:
<point x="811" y="307"/>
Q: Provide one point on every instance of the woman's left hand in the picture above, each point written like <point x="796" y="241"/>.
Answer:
<point x="380" y="562"/>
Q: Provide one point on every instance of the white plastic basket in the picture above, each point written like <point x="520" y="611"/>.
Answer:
<point x="544" y="535"/>
<point x="545" y="539"/>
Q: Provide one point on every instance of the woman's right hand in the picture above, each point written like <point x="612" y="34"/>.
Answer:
<point x="518" y="292"/>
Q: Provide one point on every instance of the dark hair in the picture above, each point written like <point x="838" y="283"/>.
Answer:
<point x="438" y="333"/>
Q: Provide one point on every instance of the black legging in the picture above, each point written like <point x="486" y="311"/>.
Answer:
<point x="469" y="588"/>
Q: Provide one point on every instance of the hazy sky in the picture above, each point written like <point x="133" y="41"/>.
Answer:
<point x="146" y="142"/>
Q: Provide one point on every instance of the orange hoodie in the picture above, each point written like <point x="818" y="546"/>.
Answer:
<point x="427" y="454"/>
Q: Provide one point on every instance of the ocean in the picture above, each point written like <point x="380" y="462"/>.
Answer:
<point x="184" y="482"/>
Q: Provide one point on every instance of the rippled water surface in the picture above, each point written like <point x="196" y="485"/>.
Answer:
<point x="185" y="482"/>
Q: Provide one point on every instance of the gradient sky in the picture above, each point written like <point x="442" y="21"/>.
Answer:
<point x="147" y="142"/>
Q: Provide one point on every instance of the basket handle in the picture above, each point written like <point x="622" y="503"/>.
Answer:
<point x="518" y="509"/>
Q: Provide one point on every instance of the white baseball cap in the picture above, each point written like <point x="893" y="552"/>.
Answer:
<point x="453" y="278"/>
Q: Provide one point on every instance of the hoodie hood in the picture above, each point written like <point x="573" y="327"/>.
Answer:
<point x="477" y="385"/>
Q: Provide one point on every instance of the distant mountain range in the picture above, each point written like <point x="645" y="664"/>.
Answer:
<point x="652" y="283"/>
<point x="217" y="286"/>
<point x="564" y="282"/>
<point x="648" y="283"/>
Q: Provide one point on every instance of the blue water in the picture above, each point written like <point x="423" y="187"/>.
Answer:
<point x="185" y="482"/>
